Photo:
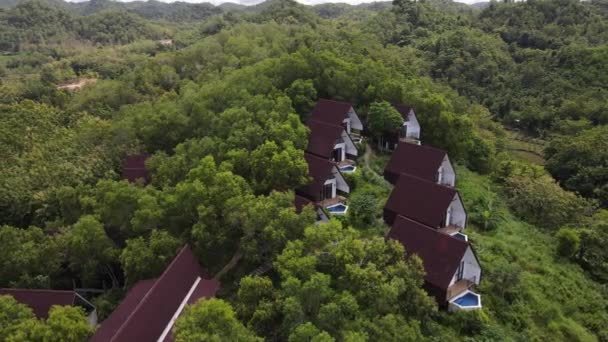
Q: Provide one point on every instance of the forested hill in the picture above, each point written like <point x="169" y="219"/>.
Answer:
<point x="216" y="98"/>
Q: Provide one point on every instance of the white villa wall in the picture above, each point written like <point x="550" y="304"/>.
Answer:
<point x="350" y="145"/>
<point x="458" y="216"/>
<point x="449" y="176"/>
<point x="355" y="122"/>
<point x="340" y="181"/>
<point x="413" y="126"/>
<point x="343" y="147"/>
<point x="333" y="186"/>
<point x="472" y="269"/>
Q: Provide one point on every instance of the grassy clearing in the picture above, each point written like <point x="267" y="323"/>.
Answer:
<point x="525" y="148"/>
<point x="525" y="286"/>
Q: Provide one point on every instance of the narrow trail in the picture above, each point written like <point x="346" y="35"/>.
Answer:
<point x="229" y="266"/>
<point x="367" y="155"/>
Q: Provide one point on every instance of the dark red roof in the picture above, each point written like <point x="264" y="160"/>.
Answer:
<point x="417" y="160"/>
<point x="150" y="304"/>
<point x="300" y="202"/>
<point x="330" y="111"/>
<point x="323" y="138"/>
<point x="440" y="253"/>
<point x="134" y="167"/>
<point x="320" y="170"/>
<point x="403" y="109"/>
<point x="420" y="200"/>
<point x="41" y="300"/>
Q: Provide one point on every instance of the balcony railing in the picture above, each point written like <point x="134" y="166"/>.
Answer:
<point x="450" y="230"/>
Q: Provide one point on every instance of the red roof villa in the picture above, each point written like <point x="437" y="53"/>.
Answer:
<point x="327" y="183"/>
<point x="331" y="142"/>
<point x="151" y="306"/>
<point x="338" y="113"/>
<point x="426" y="202"/>
<point x="301" y="202"/>
<point x="450" y="263"/>
<point x="422" y="161"/>
<point x="134" y="168"/>
<point x="41" y="301"/>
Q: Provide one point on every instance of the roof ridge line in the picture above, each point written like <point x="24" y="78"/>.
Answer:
<point x="143" y="300"/>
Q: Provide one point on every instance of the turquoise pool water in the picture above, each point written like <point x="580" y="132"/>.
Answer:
<point x="461" y="236"/>
<point x="337" y="209"/>
<point x="468" y="299"/>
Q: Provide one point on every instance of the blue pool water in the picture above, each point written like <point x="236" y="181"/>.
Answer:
<point x="349" y="168"/>
<point x="460" y="236"/>
<point x="468" y="299"/>
<point x="337" y="209"/>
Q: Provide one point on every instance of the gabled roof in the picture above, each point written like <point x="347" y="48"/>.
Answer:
<point x="330" y="111"/>
<point x="148" y="308"/>
<point x="300" y="202"/>
<point x="134" y="167"/>
<point x="40" y="301"/>
<point x="420" y="200"/>
<point x="440" y="253"/>
<point x="421" y="161"/>
<point x="403" y="109"/>
<point x="320" y="170"/>
<point x="322" y="138"/>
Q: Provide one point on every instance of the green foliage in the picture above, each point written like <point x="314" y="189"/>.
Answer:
<point x="90" y="250"/>
<point x="540" y="201"/>
<point x="592" y="253"/>
<point x="383" y="118"/>
<point x="64" y="323"/>
<point x="334" y="283"/>
<point x="147" y="258"/>
<point x="267" y="224"/>
<point x="522" y="278"/>
<point x="580" y="162"/>
<point x="29" y="257"/>
<point x="568" y="242"/>
<point x="211" y="320"/>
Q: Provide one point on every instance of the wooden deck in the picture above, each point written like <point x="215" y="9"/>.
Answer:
<point x="331" y="201"/>
<point x="410" y="140"/>
<point x="459" y="287"/>
<point x="345" y="162"/>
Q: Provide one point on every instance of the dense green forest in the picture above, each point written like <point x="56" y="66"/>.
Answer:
<point x="217" y="96"/>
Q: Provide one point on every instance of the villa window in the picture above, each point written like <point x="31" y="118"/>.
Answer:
<point x="460" y="271"/>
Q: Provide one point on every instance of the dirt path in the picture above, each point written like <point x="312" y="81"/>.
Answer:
<point x="229" y="266"/>
<point x="367" y="155"/>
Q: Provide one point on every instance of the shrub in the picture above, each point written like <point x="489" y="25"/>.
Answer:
<point x="568" y="242"/>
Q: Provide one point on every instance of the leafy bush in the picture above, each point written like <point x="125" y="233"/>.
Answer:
<point x="568" y="242"/>
<point x="541" y="201"/>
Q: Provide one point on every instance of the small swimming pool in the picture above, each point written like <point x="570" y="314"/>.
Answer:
<point x="337" y="209"/>
<point x="348" y="168"/>
<point x="461" y="236"/>
<point x="467" y="301"/>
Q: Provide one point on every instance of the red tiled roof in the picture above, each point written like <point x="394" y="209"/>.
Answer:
<point x="440" y="253"/>
<point x="41" y="300"/>
<point x="134" y="167"/>
<point x="320" y="170"/>
<point x="149" y="306"/>
<point x="421" y="161"/>
<point x="330" y="111"/>
<point x="420" y="200"/>
<point x="322" y="138"/>
<point x="403" y="109"/>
